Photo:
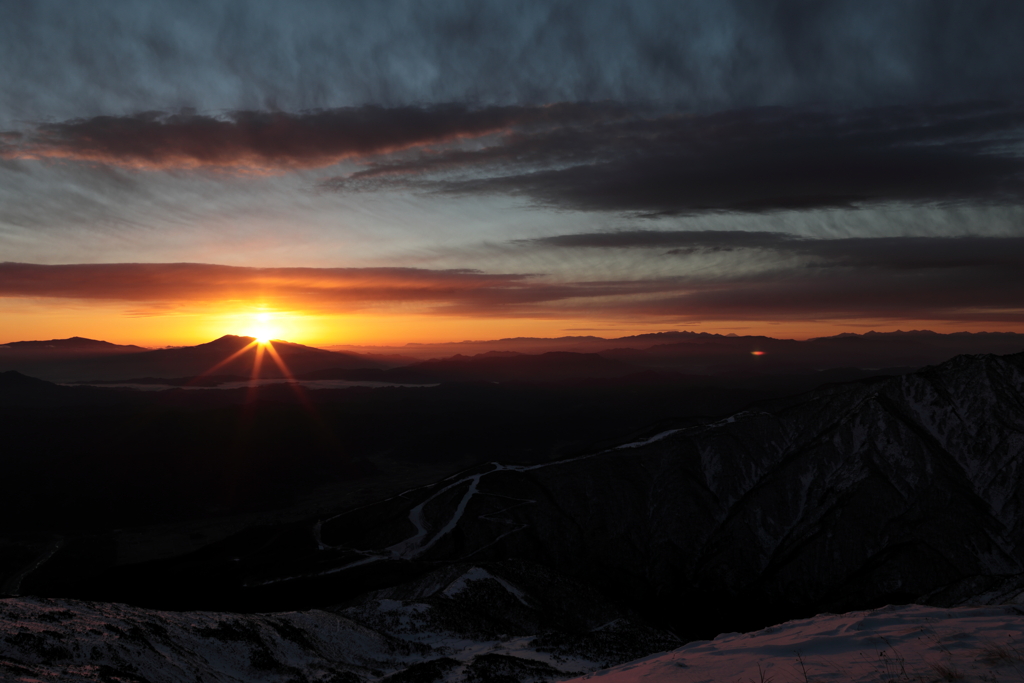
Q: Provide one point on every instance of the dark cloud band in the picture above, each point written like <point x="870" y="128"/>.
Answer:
<point x="902" y="253"/>
<point x="592" y="157"/>
<point x="176" y="282"/>
<point x="764" y="160"/>
<point x="976" y="279"/>
<point x="277" y="141"/>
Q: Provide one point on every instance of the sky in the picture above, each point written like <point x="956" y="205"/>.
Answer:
<point x="389" y="172"/>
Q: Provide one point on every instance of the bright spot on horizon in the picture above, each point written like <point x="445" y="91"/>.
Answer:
<point x="757" y="353"/>
<point x="264" y="328"/>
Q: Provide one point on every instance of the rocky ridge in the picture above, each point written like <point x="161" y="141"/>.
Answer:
<point x="509" y="621"/>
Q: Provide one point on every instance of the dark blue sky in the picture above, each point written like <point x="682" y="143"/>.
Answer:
<point x="66" y="60"/>
<point x="568" y="147"/>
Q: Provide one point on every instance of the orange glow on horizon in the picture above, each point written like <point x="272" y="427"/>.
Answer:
<point x="26" y="319"/>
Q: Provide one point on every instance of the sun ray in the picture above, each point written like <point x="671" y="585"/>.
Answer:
<point x="292" y="382"/>
<point x="257" y="362"/>
<point x="255" y="376"/>
<point x="224" y="362"/>
<point x="279" y="361"/>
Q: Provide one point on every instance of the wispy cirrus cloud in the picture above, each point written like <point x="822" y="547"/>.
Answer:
<point x="278" y="141"/>
<point x="66" y="60"/>
<point x="712" y="240"/>
<point x="901" y="253"/>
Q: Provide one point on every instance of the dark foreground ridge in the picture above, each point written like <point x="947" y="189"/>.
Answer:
<point x="508" y="621"/>
<point x="883" y="490"/>
<point x="888" y="490"/>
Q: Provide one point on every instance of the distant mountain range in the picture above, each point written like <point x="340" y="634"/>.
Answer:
<point x="73" y="347"/>
<point x="79" y="359"/>
<point x="923" y="346"/>
<point x="505" y="360"/>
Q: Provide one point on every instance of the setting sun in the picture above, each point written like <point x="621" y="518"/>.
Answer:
<point x="264" y="328"/>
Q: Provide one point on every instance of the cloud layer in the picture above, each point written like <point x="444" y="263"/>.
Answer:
<point x="591" y="157"/>
<point x="739" y="161"/>
<point x="897" y="253"/>
<point x="968" y="279"/>
<point x="64" y="60"/>
<point x="416" y="133"/>
<point x="277" y="141"/>
<point x="196" y="282"/>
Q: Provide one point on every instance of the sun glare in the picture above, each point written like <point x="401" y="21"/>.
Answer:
<point x="263" y="328"/>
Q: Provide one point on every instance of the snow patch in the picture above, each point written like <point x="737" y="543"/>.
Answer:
<point x="479" y="574"/>
<point x="908" y="643"/>
<point x="644" y="442"/>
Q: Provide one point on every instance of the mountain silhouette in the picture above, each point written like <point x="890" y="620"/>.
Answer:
<point x="70" y="346"/>
<point x="187" y="361"/>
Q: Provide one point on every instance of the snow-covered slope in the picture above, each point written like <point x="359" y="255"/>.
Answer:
<point x="461" y="623"/>
<point x="81" y="641"/>
<point x="910" y="643"/>
<point x="67" y="640"/>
